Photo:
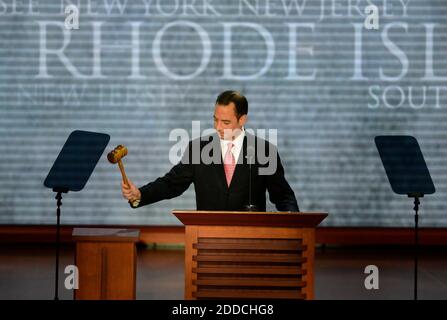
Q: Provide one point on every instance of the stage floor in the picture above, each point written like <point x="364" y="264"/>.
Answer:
<point x="27" y="272"/>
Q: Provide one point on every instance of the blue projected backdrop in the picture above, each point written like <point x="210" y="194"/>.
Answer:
<point x="139" y="69"/>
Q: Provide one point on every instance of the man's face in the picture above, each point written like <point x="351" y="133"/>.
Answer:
<point x="227" y="125"/>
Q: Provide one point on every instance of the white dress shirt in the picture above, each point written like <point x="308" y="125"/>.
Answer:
<point x="236" y="150"/>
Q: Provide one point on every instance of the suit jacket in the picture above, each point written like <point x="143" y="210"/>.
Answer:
<point x="208" y="177"/>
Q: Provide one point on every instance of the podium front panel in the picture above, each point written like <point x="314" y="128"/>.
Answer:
<point x="249" y="262"/>
<point x="106" y="260"/>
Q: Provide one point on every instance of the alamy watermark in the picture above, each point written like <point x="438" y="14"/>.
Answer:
<point x="201" y="148"/>
<point x="72" y="280"/>
<point x="372" y="280"/>
<point x="72" y="17"/>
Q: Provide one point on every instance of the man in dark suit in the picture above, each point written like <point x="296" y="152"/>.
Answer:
<point x="220" y="167"/>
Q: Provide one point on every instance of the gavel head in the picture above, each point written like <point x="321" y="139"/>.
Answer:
<point x="117" y="154"/>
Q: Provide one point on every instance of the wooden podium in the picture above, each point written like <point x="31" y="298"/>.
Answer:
<point x="251" y="255"/>
<point x="106" y="261"/>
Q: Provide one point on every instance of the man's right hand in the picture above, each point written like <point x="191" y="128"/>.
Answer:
<point x="130" y="192"/>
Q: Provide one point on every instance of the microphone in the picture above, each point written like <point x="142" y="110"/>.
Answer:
<point x="250" y="156"/>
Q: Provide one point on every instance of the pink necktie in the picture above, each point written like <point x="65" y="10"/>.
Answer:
<point x="229" y="164"/>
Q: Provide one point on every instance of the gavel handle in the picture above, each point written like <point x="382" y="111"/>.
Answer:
<point x="123" y="173"/>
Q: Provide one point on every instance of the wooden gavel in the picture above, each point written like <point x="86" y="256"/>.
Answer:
<point x="115" y="156"/>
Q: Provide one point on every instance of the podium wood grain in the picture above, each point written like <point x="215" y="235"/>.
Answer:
<point x="249" y="254"/>
<point x="106" y="261"/>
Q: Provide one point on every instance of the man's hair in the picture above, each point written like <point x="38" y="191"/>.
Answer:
<point x="240" y="102"/>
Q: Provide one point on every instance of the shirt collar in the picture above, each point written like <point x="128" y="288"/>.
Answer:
<point x="236" y="142"/>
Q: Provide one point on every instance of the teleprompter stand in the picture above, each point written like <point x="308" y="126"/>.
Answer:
<point x="408" y="174"/>
<point x="71" y="171"/>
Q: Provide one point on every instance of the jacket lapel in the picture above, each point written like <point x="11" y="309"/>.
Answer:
<point x="241" y="168"/>
<point x="218" y="167"/>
